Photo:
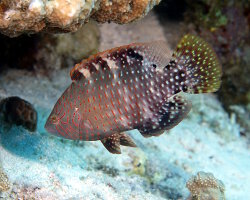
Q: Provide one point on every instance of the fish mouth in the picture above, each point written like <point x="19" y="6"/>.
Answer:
<point x="50" y="127"/>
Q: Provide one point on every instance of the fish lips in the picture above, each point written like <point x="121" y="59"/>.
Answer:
<point x="50" y="127"/>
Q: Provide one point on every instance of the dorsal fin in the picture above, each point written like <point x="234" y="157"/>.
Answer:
<point x="75" y="72"/>
<point x="157" y="53"/>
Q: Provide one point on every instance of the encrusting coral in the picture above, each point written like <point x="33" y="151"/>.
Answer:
<point x="32" y="16"/>
<point x="204" y="186"/>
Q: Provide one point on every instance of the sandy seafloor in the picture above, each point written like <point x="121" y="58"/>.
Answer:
<point x="45" y="167"/>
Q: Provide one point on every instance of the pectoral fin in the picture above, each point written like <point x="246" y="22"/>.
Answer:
<point x="113" y="142"/>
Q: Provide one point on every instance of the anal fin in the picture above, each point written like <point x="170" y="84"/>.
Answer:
<point x="168" y="116"/>
<point x="113" y="142"/>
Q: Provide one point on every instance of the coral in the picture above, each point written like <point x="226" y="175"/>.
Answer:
<point x="4" y="182"/>
<point x="35" y="15"/>
<point x="32" y="16"/>
<point x="123" y="11"/>
<point x="204" y="186"/>
<point x="20" y="112"/>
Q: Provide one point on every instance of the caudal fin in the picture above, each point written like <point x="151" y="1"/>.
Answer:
<point x="199" y="62"/>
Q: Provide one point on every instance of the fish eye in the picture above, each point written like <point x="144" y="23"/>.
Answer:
<point x="53" y="118"/>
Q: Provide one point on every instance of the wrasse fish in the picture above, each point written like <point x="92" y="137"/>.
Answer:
<point x="137" y="86"/>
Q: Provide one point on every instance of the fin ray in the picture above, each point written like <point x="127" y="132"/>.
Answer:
<point x="125" y="140"/>
<point x="113" y="142"/>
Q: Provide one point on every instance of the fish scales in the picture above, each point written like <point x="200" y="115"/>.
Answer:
<point x="114" y="104"/>
<point x="136" y="86"/>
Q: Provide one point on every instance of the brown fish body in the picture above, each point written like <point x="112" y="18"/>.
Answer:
<point x="132" y="87"/>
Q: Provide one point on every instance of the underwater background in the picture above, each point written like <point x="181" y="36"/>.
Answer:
<point x="206" y="156"/>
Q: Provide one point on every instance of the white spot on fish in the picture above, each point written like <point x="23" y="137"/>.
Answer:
<point x="85" y="72"/>
<point x="111" y="63"/>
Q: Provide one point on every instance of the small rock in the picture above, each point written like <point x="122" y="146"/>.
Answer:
<point x="4" y="182"/>
<point x="204" y="186"/>
<point x="20" y="112"/>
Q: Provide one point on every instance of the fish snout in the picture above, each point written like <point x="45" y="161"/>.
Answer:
<point x="50" y="127"/>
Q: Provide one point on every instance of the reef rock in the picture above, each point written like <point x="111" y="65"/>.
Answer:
<point x="204" y="186"/>
<point x="32" y="16"/>
<point x="43" y="52"/>
<point x="225" y="25"/>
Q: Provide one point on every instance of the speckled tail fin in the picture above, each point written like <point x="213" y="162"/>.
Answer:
<point x="198" y="64"/>
<point x="113" y="142"/>
<point x="168" y="116"/>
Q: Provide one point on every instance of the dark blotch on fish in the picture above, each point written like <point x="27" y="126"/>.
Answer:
<point x="133" y="54"/>
<point x="19" y="112"/>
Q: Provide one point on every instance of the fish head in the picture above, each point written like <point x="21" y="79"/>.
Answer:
<point x="64" y="120"/>
<point x="59" y="120"/>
